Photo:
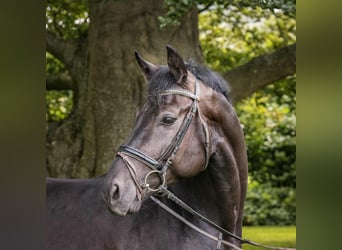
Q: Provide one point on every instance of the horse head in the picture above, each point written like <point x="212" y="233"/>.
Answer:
<point x="176" y="132"/>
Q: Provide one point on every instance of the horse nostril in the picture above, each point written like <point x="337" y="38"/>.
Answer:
<point x="115" y="192"/>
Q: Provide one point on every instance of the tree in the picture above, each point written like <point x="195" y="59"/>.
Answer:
<point x="92" y="46"/>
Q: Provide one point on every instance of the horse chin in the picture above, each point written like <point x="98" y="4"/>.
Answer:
<point x="134" y="208"/>
<point x="123" y="210"/>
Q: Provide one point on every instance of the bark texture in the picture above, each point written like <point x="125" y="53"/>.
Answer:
<point x="261" y="71"/>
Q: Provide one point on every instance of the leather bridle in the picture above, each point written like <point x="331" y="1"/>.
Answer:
<point x="161" y="165"/>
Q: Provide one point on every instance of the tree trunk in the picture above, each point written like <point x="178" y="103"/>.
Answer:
<point x="107" y="84"/>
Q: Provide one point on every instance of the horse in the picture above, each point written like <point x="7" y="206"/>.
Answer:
<point x="187" y="142"/>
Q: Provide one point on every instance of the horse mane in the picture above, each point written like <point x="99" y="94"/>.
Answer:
<point x="163" y="80"/>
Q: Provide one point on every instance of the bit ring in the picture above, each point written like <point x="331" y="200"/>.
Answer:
<point x="147" y="185"/>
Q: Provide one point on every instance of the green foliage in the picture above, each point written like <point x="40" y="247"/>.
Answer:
<point x="231" y="36"/>
<point x="268" y="119"/>
<point x="53" y="65"/>
<point x="267" y="205"/>
<point x="287" y="7"/>
<point x="175" y="9"/>
<point x="68" y="19"/>
<point x="269" y="122"/>
<point x="59" y="105"/>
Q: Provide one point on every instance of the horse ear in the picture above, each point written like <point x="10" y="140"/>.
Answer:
<point x="176" y="65"/>
<point x="147" y="68"/>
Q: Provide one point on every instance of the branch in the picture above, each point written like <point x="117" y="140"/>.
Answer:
<point x="206" y="7"/>
<point x="261" y="71"/>
<point x="59" y="82"/>
<point x="62" y="50"/>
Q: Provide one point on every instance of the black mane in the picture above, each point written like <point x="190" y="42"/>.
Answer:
<point x="163" y="79"/>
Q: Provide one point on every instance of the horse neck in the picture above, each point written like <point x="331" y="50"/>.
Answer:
<point x="205" y="193"/>
<point x="220" y="190"/>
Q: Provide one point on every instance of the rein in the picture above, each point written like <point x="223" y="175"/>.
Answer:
<point x="171" y="196"/>
<point x="161" y="165"/>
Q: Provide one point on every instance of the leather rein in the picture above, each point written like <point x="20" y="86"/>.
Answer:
<point x="161" y="165"/>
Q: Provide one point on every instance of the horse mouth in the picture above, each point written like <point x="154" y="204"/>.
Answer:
<point x="122" y="209"/>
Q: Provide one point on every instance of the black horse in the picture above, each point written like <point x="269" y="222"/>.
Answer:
<point x="187" y="139"/>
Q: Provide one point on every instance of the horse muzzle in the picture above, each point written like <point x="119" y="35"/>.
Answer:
<point x="120" y="194"/>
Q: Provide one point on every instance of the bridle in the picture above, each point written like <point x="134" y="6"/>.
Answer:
<point x="165" y="160"/>
<point x="161" y="165"/>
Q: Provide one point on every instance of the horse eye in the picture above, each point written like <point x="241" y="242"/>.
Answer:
<point x="168" y="120"/>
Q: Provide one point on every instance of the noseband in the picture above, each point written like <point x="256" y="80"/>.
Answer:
<point x="161" y="165"/>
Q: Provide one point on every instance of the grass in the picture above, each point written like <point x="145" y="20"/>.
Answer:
<point x="282" y="236"/>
